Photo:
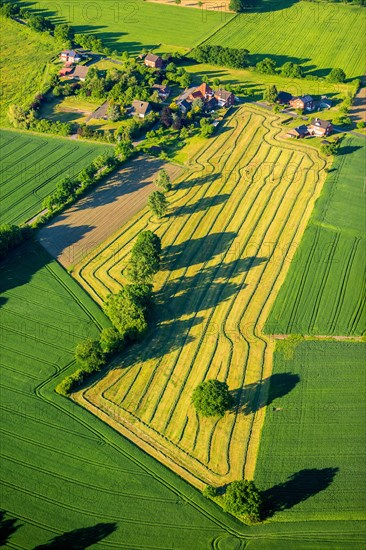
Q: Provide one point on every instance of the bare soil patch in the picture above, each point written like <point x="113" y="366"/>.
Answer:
<point x="84" y="226"/>
<point x="213" y="5"/>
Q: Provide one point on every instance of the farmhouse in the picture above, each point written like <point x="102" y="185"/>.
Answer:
<point x="298" y="132"/>
<point x="304" y="103"/>
<point x="224" y="98"/>
<point x="320" y="128"/>
<point x="283" y="98"/>
<point x="140" y="108"/>
<point x="154" y="61"/>
<point x="80" y="72"/>
<point x="70" y="56"/>
<point x="163" y="91"/>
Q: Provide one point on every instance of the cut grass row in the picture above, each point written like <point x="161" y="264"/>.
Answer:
<point x="323" y="293"/>
<point x="64" y="474"/>
<point x="32" y="166"/>
<point x="316" y="35"/>
<point x="233" y="220"/>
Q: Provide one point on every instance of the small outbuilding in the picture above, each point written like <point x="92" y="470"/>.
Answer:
<point x="154" y="61"/>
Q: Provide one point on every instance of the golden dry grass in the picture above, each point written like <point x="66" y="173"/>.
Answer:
<point x="235" y="221"/>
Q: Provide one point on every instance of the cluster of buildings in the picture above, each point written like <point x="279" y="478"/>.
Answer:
<point x="71" y="69"/>
<point x="304" y="103"/>
<point x="210" y="99"/>
<point x="316" y="128"/>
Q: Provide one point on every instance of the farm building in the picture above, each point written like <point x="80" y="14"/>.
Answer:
<point x="140" y="108"/>
<point x="320" y="128"/>
<point x="80" y="72"/>
<point x="154" y="61"/>
<point x="70" y="56"/>
<point x="283" y="98"/>
<point x="163" y="91"/>
<point x="298" y="132"/>
<point x="100" y="113"/>
<point x="304" y="103"/>
<point x="224" y="98"/>
<point x="65" y="71"/>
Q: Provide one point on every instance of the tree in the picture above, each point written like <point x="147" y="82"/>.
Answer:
<point x="242" y="498"/>
<point x="209" y="491"/>
<point x="291" y="70"/>
<point x="361" y="124"/>
<point x="17" y="116"/>
<point x="216" y="82"/>
<point x="145" y="258"/>
<point x="89" y="355"/>
<point x="163" y="181"/>
<point x="328" y="149"/>
<point x="64" y="33"/>
<point x="266" y="66"/>
<point x="114" y="112"/>
<point x="111" y="340"/>
<point x="337" y="75"/>
<point x="237" y="5"/>
<point x="158" y="203"/>
<point x="127" y="310"/>
<point x="166" y="117"/>
<point x="270" y="94"/>
<point x="211" y="398"/>
<point x="207" y="129"/>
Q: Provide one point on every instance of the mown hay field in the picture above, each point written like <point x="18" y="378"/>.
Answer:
<point x="25" y="64"/>
<point x="31" y="166"/>
<point x="66" y="477"/>
<point x="311" y="462"/>
<point x="324" y="292"/>
<point x="233" y="220"/>
<point x="132" y="26"/>
<point x="81" y="228"/>
<point x="318" y="36"/>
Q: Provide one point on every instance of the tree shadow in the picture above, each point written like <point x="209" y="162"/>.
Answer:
<point x="196" y="251"/>
<point x="7" y="527"/>
<point x="79" y="539"/>
<point x="201" y="205"/>
<point x="348" y="149"/>
<point x="298" y="488"/>
<point x="249" y="399"/>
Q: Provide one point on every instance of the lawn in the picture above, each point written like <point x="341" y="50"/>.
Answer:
<point x="32" y="166"/>
<point x="318" y="36"/>
<point x="311" y="459"/>
<point x="25" y="64"/>
<point x="323" y="292"/>
<point x="131" y="26"/>
<point x="65" y="475"/>
<point x="232" y="216"/>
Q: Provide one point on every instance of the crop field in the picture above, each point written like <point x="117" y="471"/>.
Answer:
<point x="65" y="476"/>
<point x="70" y="236"/>
<point x="31" y="166"/>
<point x="25" y="64"/>
<point x="232" y="222"/>
<point x="311" y="459"/>
<point x="131" y="26"/>
<point x="316" y="35"/>
<point x="323" y="292"/>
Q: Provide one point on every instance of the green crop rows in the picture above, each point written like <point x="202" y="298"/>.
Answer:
<point x="322" y="294"/>
<point x="31" y="166"/>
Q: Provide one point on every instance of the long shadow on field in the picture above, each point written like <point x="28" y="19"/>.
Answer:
<point x="253" y="397"/>
<point x="299" y="487"/>
<point x="79" y="539"/>
<point x="201" y="205"/>
<point x="58" y="238"/>
<point x="348" y="149"/>
<point x="7" y="527"/>
<point x="196" y="251"/>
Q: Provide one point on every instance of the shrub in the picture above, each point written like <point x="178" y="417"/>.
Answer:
<point x="111" y="340"/>
<point x="89" y="355"/>
<point x="209" y="491"/>
<point x="211" y="398"/>
<point x="242" y="498"/>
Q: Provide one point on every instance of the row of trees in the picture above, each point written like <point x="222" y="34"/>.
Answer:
<point x="220" y="55"/>
<point x="12" y="236"/>
<point x="128" y="311"/>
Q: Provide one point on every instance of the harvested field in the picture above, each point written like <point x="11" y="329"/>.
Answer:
<point x="233" y="221"/>
<point x="84" y="226"/>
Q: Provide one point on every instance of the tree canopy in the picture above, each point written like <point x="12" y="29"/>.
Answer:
<point x="337" y="75"/>
<point x="211" y="398"/>
<point x="145" y="258"/>
<point x="242" y="498"/>
<point x="158" y="203"/>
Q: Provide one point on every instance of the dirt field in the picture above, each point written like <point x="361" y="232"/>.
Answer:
<point x="84" y="226"/>
<point x="358" y="109"/>
<point x="218" y="5"/>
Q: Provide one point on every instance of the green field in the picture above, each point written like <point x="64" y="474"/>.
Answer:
<point x="131" y="26"/>
<point x="25" y="64"/>
<point x="318" y="36"/>
<point x="63" y="470"/>
<point x="323" y="292"/>
<point x="31" y="166"/>
<point x="311" y="457"/>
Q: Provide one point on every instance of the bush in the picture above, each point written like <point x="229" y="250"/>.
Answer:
<point x="209" y="491"/>
<point x="242" y="498"/>
<point x="89" y="355"/>
<point x="211" y="398"/>
<point x="128" y="310"/>
<point x="111" y="340"/>
<point x="361" y="124"/>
